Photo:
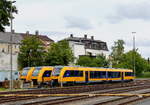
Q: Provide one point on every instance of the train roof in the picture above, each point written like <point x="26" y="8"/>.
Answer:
<point x="61" y="66"/>
<point x="92" y="67"/>
<point x="44" y="66"/>
<point x="39" y="66"/>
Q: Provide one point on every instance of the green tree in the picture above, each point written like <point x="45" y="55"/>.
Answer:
<point x="117" y="52"/>
<point x="59" y="54"/>
<point x="147" y="66"/>
<point x="6" y="8"/>
<point x="31" y="52"/>
<point x="99" y="61"/>
<point x="84" y="61"/>
<point x="140" y="63"/>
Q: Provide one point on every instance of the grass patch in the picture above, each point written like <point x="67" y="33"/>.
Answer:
<point x="145" y="75"/>
<point x="3" y="89"/>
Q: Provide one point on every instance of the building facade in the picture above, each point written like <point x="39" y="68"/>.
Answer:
<point x="5" y="50"/>
<point x="82" y="46"/>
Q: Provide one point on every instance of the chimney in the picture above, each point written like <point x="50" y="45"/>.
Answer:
<point x="85" y="36"/>
<point x="36" y="32"/>
<point x="71" y="35"/>
<point x="27" y="32"/>
<point x="13" y="31"/>
<point x="92" y="37"/>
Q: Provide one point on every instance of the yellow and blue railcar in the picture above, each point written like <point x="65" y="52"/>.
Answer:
<point x="41" y="75"/>
<point x="26" y="74"/>
<point x="73" y="74"/>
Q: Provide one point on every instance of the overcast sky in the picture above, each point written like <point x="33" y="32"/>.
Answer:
<point x="106" y="20"/>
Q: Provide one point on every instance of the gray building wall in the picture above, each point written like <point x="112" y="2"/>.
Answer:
<point x="5" y="61"/>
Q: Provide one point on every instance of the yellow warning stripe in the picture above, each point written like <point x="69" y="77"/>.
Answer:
<point x="43" y="95"/>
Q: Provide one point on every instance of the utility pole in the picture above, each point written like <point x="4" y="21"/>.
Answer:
<point x="11" y="47"/>
<point x="134" y="54"/>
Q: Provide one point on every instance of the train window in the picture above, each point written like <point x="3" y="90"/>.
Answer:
<point x="47" y="74"/>
<point x="78" y="73"/>
<point x="113" y="74"/>
<point x="103" y="74"/>
<point x="97" y="74"/>
<point x="56" y="71"/>
<point x="67" y="73"/>
<point x="25" y="71"/>
<point x="91" y="74"/>
<point x="73" y="73"/>
<point x="129" y="74"/>
<point x="81" y="73"/>
<point x="36" y="71"/>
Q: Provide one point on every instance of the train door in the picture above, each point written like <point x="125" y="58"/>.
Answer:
<point x="122" y="76"/>
<point x="86" y="77"/>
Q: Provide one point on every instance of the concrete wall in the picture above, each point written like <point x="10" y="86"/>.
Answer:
<point x="5" y="50"/>
<point x="5" y="74"/>
<point x="5" y="61"/>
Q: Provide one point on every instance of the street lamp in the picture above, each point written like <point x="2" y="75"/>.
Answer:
<point x="134" y="53"/>
<point x="11" y="35"/>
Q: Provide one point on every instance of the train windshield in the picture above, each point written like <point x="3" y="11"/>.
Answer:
<point x="47" y="74"/>
<point x="36" y="71"/>
<point x="25" y="71"/>
<point x="56" y="71"/>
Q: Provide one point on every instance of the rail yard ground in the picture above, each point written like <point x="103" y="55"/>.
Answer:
<point x="96" y="94"/>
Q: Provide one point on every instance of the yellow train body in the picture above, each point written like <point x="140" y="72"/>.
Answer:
<point x="42" y="74"/>
<point x="26" y="74"/>
<point x="68" y="74"/>
<point x="74" y="74"/>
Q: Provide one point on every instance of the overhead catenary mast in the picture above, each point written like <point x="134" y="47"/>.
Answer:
<point x="134" y="53"/>
<point x="11" y="47"/>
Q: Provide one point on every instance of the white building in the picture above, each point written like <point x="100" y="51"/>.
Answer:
<point x="87" y="46"/>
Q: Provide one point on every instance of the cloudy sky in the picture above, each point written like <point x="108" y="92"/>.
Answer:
<point x="106" y="20"/>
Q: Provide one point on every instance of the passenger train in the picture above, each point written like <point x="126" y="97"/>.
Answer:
<point x="59" y="75"/>
<point x="72" y="74"/>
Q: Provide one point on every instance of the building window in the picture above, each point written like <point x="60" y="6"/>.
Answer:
<point x="88" y="45"/>
<point x="103" y="46"/>
<point x="89" y="53"/>
<point x="94" y="46"/>
<point x="2" y="62"/>
<point x="3" y="50"/>
<point x="8" y="48"/>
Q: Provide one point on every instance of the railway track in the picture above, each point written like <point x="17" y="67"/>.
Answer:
<point x="77" y="89"/>
<point x="78" y="98"/>
<point x="72" y="90"/>
<point x="128" y="100"/>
